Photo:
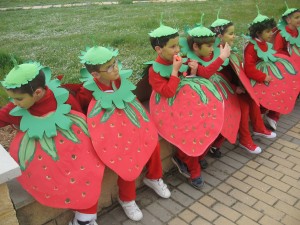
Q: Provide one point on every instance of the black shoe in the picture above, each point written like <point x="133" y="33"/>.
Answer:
<point x="182" y="168"/>
<point x="203" y="164"/>
<point x="215" y="152"/>
<point x="197" y="182"/>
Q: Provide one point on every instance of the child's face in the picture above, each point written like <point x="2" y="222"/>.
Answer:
<point x="22" y="100"/>
<point x="108" y="72"/>
<point x="169" y="50"/>
<point x="294" y="20"/>
<point x="266" y="35"/>
<point x="228" y="36"/>
<point x="204" y="50"/>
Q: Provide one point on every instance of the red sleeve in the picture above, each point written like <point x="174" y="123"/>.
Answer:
<point x="74" y="103"/>
<point x="280" y="45"/>
<point x="208" y="71"/>
<point x="6" y="119"/>
<point x="84" y="97"/>
<point x="250" y="60"/>
<point x="163" y="86"/>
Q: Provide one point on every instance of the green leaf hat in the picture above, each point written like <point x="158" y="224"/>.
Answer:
<point x="219" y="22"/>
<point x="200" y="30"/>
<point x="162" y="31"/>
<point x="21" y="74"/>
<point x="97" y="55"/>
<point x="259" y="18"/>
<point x="288" y="11"/>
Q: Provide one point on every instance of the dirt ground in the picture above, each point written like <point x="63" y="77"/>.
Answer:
<point x="6" y="135"/>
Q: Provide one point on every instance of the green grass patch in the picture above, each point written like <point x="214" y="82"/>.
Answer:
<point x="55" y="36"/>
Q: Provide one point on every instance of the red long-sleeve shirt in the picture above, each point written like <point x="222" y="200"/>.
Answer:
<point x="280" y="44"/>
<point x="43" y="106"/>
<point x="163" y="86"/>
<point x="84" y="96"/>
<point x="250" y="60"/>
<point x="211" y="69"/>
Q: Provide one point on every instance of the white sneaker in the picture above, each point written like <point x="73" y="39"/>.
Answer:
<point x="77" y="222"/>
<point x="131" y="210"/>
<point x="272" y="123"/>
<point x="251" y="148"/>
<point x="158" y="186"/>
<point x="265" y="135"/>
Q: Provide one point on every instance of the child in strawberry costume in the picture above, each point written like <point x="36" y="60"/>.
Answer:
<point x="121" y="130"/>
<point x="273" y="75"/>
<point x="248" y="102"/>
<point x="207" y="59"/>
<point x="59" y="166"/>
<point x="287" y="42"/>
<point x="188" y="111"/>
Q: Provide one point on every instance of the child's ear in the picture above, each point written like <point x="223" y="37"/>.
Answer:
<point x="195" y="47"/>
<point x="38" y="93"/>
<point x="158" y="49"/>
<point x="95" y="74"/>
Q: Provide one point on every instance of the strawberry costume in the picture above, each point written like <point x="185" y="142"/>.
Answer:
<point x="278" y="95"/>
<point x="122" y="133"/>
<point x="59" y="166"/>
<point x="188" y="111"/>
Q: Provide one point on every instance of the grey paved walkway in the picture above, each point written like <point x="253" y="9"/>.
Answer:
<point x="240" y="188"/>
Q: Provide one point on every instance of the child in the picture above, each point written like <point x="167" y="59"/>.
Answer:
<point x="279" y="93"/>
<point x="288" y="35"/>
<point x="286" y="42"/>
<point x="59" y="166"/>
<point x="199" y="48"/>
<point x="122" y="134"/>
<point x="178" y="115"/>
<point x="224" y="30"/>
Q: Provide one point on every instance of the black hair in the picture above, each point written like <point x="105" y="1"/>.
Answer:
<point x="199" y="41"/>
<point x="92" y="68"/>
<point x="31" y="86"/>
<point x="258" y="28"/>
<point x="162" y="41"/>
<point x="285" y="17"/>
<point x="221" y="29"/>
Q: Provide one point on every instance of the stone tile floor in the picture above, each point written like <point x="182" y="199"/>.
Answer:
<point x="240" y="188"/>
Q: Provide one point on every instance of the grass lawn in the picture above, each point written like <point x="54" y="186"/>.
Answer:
<point x="55" y="36"/>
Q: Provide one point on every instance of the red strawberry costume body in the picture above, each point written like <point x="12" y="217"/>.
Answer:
<point x="59" y="170"/>
<point x="175" y="120"/>
<point x="129" y="160"/>
<point x="280" y="94"/>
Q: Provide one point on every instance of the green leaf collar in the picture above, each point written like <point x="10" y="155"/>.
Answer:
<point x="267" y="55"/>
<point x="118" y="98"/>
<point x="36" y="126"/>
<point x="287" y="36"/>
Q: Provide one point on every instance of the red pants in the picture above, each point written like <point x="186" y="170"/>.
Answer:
<point x="192" y="163"/>
<point x="249" y="110"/>
<point x="127" y="188"/>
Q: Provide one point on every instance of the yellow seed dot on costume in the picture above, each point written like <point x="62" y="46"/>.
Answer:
<point x="195" y="141"/>
<point x="68" y="201"/>
<point x="183" y="141"/>
<point x="172" y="135"/>
<point x="67" y="172"/>
<point x="112" y="125"/>
<point x="72" y="180"/>
<point x="123" y="124"/>
<point x="139" y="150"/>
<point x="74" y="157"/>
<point x="79" y="132"/>
<point x="45" y="167"/>
<point x="61" y="141"/>
<point x="112" y="161"/>
<point x="126" y="148"/>
<point x="47" y="196"/>
<point x="83" y="194"/>
<point x="201" y="142"/>
<point x="93" y="124"/>
<point x="48" y="177"/>
<point x="29" y="175"/>
<point x="55" y="188"/>
<point x="120" y="158"/>
<point x="120" y="135"/>
<point x="34" y="187"/>
<point x="207" y="133"/>
<point x="82" y="168"/>
<point x="137" y="166"/>
<point x="87" y="183"/>
<point x="40" y="157"/>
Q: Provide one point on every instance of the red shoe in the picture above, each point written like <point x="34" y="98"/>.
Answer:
<point x="265" y="133"/>
<point x="251" y="148"/>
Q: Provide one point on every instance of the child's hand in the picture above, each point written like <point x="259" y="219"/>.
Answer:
<point x="225" y="51"/>
<point x="239" y="90"/>
<point x="193" y="64"/>
<point x="268" y="78"/>
<point x="177" y="62"/>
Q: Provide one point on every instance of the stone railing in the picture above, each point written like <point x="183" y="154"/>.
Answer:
<point x="9" y="170"/>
